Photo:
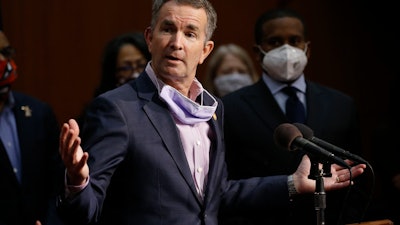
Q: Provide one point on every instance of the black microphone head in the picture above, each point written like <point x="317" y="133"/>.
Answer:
<point x="304" y="130"/>
<point x="285" y="134"/>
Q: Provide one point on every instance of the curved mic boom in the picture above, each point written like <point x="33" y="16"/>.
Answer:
<point x="289" y="137"/>
<point x="308" y="134"/>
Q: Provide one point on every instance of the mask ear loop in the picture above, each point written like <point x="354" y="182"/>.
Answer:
<point x="261" y="50"/>
<point x="264" y="53"/>
<point x="306" y="47"/>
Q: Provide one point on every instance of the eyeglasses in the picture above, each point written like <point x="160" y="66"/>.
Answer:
<point x="7" y="51"/>
<point x="135" y="68"/>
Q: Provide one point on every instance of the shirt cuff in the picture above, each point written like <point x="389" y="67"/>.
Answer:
<point x="71" y="190"/>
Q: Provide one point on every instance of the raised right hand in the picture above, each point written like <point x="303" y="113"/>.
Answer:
<point x="72" y="154"/>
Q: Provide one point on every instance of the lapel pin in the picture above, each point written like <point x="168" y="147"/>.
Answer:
<point x="27" y="110"/>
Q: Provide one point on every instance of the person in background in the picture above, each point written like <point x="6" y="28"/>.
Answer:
<point x="152" y="151"/>
<point x="31" y="170"/>
<point x="228" y="69"/>
<point x="282" y="50"/>
<point x="124" y="58"/>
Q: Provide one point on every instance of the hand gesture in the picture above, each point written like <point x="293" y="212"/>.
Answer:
<point x="340" y="176"/>
<point x="72" y="154"/>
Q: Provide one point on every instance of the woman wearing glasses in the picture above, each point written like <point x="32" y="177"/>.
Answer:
<point x="124" y="57"/>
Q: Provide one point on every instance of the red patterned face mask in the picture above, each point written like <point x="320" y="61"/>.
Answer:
<point x="8" y="72"/>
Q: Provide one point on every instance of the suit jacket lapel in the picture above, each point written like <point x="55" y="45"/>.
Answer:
<point x="23" y="127"/>
<point x="164" y="123"/>
<point x="6" y="169"/>
<point x="18" y="120"/>
<point x="316" y="107"/>
<point x="217" y="161"/>
<point x="264" y="105"/>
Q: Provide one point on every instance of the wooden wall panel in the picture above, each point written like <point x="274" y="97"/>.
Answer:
<point x="59" y="44"/>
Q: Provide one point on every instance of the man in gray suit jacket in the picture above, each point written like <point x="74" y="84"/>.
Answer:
<point x="154" y="147"/>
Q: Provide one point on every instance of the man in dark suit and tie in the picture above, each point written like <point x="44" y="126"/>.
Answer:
<point x="283" y="95"/>
<point x="152" y="149"/>
<point x="31" y="170"/>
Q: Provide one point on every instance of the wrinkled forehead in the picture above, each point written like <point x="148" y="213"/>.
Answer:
<point x="173" y="13"/>
<point x="3" y="40"/>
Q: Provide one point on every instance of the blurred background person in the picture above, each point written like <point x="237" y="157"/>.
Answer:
<point x="31" y="171"/>
<point x="124" y="57"/>
<point x="282" y="51"/>
<point x="228" y="69"/>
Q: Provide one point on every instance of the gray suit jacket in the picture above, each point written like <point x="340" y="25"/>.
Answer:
<point x="139" y="173"/>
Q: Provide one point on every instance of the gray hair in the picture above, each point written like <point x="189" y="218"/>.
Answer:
<point x="198" y="4"/>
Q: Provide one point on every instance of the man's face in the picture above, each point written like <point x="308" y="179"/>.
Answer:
<point x="280" y="31"/>
<point x="178" y="43"/>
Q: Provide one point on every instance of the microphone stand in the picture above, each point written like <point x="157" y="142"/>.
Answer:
<point x="319" y="194"/>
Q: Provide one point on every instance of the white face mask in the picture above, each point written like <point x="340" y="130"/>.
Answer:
<point x="285" y="63"/>
<point x="231" y="82"/>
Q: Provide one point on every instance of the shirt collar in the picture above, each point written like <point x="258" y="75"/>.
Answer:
<point x="10" y="101"/>
<point x="195" y="89"/>
<point x="276" y="86"/>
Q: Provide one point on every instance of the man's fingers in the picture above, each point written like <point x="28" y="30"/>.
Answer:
<point x="344" y="175"/>
<point x="83" y="160"/>
<point x="74" y="125"/>
<point x="70" y="149"/>
<point x="63" y="135"/>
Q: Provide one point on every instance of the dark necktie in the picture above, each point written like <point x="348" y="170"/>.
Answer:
<point x="295" y="111"/>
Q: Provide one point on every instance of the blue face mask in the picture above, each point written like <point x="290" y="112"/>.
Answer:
<point x="184" y="109"/>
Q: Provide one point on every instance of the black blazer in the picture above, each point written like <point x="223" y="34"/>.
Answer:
<point x="38" y="133"/>
<point x="251" y="116"/>
<point x="136" y="158"/>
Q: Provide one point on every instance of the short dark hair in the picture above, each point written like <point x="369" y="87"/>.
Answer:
<point x="274" y="14"/>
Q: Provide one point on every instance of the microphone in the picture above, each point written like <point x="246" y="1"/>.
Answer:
<point x="308" y="134"/>
<point x="289" y="137"/>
